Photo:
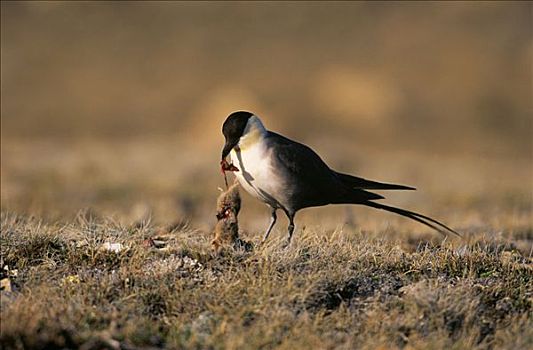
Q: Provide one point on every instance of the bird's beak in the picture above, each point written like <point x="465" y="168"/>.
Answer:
<point x="228" y="146"/>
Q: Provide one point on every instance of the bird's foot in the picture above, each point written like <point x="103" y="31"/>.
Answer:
<point x="286" y="244"/>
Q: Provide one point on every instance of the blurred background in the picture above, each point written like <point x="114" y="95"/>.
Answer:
<point x="116" y="107"/>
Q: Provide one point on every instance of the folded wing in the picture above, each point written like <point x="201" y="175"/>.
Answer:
<point x="313" y="182"/>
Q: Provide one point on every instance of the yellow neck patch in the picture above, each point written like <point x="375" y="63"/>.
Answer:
<point x="253" y="133"/>
<point x="250" y="139"/>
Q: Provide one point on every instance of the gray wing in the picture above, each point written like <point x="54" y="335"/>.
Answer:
<point x="310" y="181"/>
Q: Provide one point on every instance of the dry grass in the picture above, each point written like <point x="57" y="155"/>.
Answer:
<point x="387" y="283"/>
<point x="335" y="289"/>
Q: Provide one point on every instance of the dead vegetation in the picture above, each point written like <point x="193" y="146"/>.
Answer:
<point x="138" y="269"/>
<point x="339" y="289"/>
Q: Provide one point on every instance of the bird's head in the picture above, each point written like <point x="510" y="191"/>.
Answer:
<point x="233" y="129"/>
<point x="240" y="127"/>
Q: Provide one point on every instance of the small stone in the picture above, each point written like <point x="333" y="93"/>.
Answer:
<point x="5" y="285"/>
<point x="112" y="247"/>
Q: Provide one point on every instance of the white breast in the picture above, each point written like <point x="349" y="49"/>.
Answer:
<point x="256" y="173"/>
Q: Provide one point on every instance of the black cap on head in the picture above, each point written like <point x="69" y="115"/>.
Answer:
<point x="233" y="128"/>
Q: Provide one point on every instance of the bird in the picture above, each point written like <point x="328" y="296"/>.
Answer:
<point x="289" y="176"/>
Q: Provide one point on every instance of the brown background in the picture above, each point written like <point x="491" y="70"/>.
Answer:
<point x="118" y="106"/>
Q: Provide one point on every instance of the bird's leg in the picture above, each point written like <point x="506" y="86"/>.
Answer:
<point x="273" y="219"/>
<point x="291" y="226"/>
